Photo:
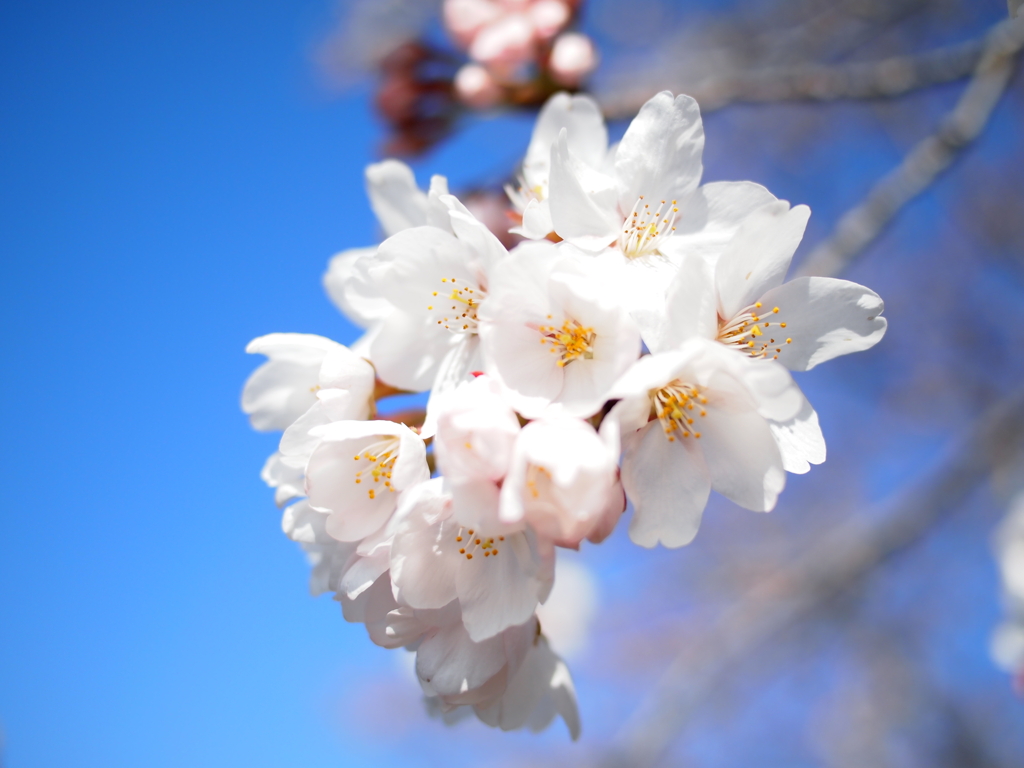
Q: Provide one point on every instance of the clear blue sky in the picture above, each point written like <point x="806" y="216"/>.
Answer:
<point x="173" y="182"/>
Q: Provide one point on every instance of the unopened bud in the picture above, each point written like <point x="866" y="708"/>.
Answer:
<point x="475" y="87"/>
<point x="573" y="57"/>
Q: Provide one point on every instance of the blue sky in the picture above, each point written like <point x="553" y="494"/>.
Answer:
<point x="173" y="184"/>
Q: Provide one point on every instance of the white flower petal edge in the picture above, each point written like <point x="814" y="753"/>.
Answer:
<point x="695" y="420"/>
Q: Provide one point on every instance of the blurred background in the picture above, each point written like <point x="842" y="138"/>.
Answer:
<point x="175" y="176"/>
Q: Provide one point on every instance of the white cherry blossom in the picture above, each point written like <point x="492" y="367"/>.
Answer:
<point x="299" y="366"/>
<point x="398" y="205"/>
<point x="649" y="209"/>
<point x="553" y="334"/>
<point x="564" y="482"/>
<point x="436" y="283"/>
<point x="498" y="575"/>
<point x="587" y="139"/>
<point x="357" y="471"/>
<point x="694" y="420"/>
<point x="742" y="301"/>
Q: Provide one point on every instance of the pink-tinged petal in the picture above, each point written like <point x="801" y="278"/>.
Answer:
<point x="394" y="196"/>
<point x="350" y="293"/>
<point x="540" y="690"/>
<point x="497" y="592"/>
<point x="582" y="200"/>
<point x="800" y="440"/>
<point x="659" y="156"/>
<point x="668" y="484"/>
<point x="691" y="307"/>
<point x="758" y="257"/>
<point x="449" y="663"/>
<point x="742" y="457"/>
<point x="422" y="575"/>
<point x="824" y="318"/>
<point x="587" y="136"/>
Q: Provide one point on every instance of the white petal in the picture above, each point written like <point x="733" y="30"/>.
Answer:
<point x="582" y="200"/>
<point x="394" y="196"/>
<point x="581" y="116"/>
<point x="408" y="350"/>
<point x="537" y="222"/>
<point x="800" y="440"/>
<point x="286" y="480"/>
<point x="741" y="454"/>
<point x="757" y="258"/>
<point x="659" y="156"/>
<point x="541" y="689"/>
<point x="712" y="214"/>
<point x="691" y="307"/>
<point x="350" y="293"/>
<point x="498" y="592"/>
<point x="282" y="389"/>
<point x="668" y="484"/>
<point x="825" y="318"/>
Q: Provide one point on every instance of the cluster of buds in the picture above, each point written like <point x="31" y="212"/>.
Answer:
<point x="519" y="50"/>
<point x="634" y="349"/>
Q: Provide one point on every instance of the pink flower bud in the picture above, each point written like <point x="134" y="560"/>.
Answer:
<point x="465" y="18"/>
<point x="475" y="87"/>
<point x="549" y="17"/>
<point x="508" y="42"/>
<point x="573" y="57"/>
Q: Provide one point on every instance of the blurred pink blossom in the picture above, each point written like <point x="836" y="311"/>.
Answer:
<point x="573" y="57"/>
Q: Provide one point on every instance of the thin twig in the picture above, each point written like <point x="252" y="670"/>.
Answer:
<point x="819" y="575"/>
<point x="862" y="224"/>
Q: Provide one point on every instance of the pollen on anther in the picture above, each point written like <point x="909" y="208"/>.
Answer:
<point x="789" y="341"/>
<point x="462" y="551"/>
<point x="469" y="557"/>
<point x="783" y="325"/>
<point x="776" y="310"/>
<point x="758" y="305"/>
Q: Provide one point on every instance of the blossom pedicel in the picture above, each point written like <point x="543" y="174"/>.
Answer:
<point x="644" y="323"/>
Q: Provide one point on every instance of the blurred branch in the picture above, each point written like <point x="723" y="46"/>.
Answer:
<point x="860" y="80"/>
<point x="862" y="224"/>
<point x="831" y="567"/>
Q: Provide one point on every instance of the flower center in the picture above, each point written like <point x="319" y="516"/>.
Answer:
<point x="749" y="332"/>
<point x="471" y="543"/>
<point x="570" y="342"/>
<point x="378" y="462"/>
<point x="455" y="306"/>
<point x="676" y="405"/>
<point x="645" y="230"/>
<point x="522" y="195"/>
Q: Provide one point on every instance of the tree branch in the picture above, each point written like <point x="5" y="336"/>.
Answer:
<point x="862" y="224"/>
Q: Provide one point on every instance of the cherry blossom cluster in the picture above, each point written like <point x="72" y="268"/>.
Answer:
<point x="508" y="41"/>
<point x="634" y="349"/>
<point x="1008" y="640"/>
